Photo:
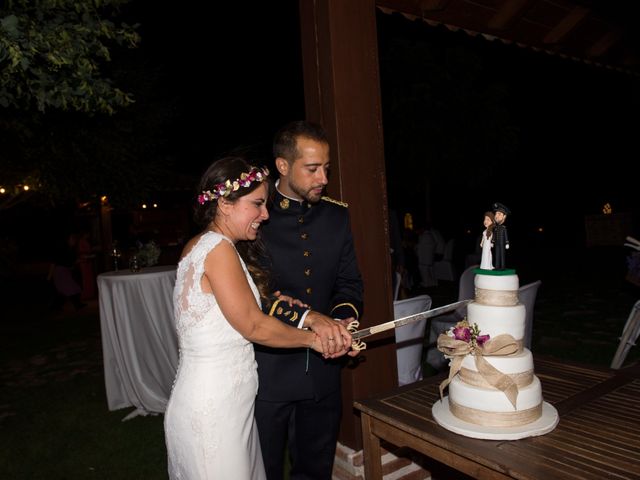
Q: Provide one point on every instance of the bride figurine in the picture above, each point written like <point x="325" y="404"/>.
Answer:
<point x="486" y="261"/>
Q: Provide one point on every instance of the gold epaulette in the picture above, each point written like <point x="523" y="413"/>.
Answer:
<point x="333" y="200"/>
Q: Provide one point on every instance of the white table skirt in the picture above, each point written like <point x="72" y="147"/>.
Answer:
<point x="139" y="341"/>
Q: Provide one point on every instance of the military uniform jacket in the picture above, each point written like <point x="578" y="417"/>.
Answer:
<point x="312" y="258"/>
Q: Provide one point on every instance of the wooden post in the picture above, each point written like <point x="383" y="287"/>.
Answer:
<point x="342" y="93"/>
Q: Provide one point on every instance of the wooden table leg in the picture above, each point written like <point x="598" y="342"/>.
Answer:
<point x="371" y="449"/>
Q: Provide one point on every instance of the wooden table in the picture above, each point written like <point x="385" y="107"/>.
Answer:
<point x="598" y="435"/>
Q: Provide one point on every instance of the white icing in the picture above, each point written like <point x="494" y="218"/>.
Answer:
<point x="497" y="282"/>
<point x="508" y="364"/>
<point x="497" y="320"/>
<point x="494" y="400"/>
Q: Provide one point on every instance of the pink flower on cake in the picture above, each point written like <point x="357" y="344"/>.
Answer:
<point x="461" y="332"/>
<point x="467" y="333"/>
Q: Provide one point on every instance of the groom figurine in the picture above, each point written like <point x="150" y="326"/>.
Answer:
<point x="500" y="238"/>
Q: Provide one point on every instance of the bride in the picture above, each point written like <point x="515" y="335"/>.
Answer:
<point x="486" y="261"/>
<point x="210" y="430"/>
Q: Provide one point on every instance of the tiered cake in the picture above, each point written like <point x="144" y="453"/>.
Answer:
<point x="493" y="391"/>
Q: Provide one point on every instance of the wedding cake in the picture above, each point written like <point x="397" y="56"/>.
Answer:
<point x="493" y="391"/>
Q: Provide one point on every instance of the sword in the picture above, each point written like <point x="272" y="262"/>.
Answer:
<point x="366" y="332"/>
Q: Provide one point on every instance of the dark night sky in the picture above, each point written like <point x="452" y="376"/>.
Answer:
<point x="235" y="74"/>
<point x="568" y="115"/>
<point x="233" y="77"/>
<point x="236" y="77"/>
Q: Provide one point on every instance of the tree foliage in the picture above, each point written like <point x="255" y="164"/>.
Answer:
<point x="64" y="129"/>
<point x="53" y="53"/>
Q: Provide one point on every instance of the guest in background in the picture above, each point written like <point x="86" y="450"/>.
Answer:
<point x="85" y="264"/>
<point x="209" y="421"/>
<point x="486" y="261"/>
<point x="500" y="238"/>
<point x="62" y="273"/>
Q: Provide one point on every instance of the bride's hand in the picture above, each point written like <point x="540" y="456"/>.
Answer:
<point x="290" y="300"/>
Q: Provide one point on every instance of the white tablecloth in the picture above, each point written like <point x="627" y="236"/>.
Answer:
<point x="139" y="341"/>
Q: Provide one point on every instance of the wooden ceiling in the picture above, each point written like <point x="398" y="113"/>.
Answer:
<point x="595" y="32"/>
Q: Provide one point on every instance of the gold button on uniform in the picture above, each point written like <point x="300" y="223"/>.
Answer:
<point x="309" y="290"/>
<point x="307" y="253"/>
<point x="307" y="271"/>
<point x="304" y="236"/>
<point x="300" y="219"/>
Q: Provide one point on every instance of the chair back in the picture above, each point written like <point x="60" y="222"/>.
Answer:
<point x="448" y="250"/>
<point x="527" y="295"/>
<point x="410" y="338"/>
<point x="466" y="290"/>
<point x="425" y="251"/>
<point x="396" y="287"/>
<point x="466" y="285"/>
<point x="443" y="269"/>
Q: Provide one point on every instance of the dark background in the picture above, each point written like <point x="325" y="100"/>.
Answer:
<point x="209" y="84"/>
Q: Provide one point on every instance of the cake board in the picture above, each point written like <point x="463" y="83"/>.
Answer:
<point x="443" y="416"/>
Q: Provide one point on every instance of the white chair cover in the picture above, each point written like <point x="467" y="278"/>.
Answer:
<point x="466" y="290"/>
<point x="527" y="295"/>
<point x="443" y="269"/>
<point x="410" y="338"/>
<point x="630" y="334"/>
<point x="396" y="287"/>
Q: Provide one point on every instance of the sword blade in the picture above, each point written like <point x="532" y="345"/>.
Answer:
<point x="365" y="332"/>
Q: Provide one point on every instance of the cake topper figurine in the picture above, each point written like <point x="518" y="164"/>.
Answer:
<point x="500" y="239"/>
<point x="486" y="261"/>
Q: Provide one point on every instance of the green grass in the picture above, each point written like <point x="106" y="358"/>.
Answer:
<point x="54" y="418"/>
<point x="63" y="430"/>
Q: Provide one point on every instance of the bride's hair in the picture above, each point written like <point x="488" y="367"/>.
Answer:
<point x="211" y="186"/>
<point x="493" y="222"/>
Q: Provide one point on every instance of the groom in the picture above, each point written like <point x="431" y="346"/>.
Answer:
<point x="308" y="238"/>
<point x="500" y="239"/>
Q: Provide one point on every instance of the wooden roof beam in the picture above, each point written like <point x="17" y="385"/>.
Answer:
<point x="507" y="13"/>
<point x="432" y="5"/>
<point x="600" y="47"/>
<point x="566" y="25"/>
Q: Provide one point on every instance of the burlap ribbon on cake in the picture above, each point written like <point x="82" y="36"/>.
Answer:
<point x="501" y="345"/>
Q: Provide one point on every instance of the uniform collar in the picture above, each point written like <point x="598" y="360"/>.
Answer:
<point x="285" y="202"/>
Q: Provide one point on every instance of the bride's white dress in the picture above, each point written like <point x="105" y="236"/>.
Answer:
<point x="486" y="261"/>
<point x="210" y="430"/>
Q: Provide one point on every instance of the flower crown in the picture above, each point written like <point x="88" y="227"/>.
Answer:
<point x="224" y="189"/>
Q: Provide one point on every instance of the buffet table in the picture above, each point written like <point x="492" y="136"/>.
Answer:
<point x="598" y="435"/>
<point x="139" y="341"/>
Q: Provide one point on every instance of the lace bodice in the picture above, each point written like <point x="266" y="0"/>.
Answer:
<point x="192" y="306"/>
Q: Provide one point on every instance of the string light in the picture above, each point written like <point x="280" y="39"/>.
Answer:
<point x="408" y="221"/>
